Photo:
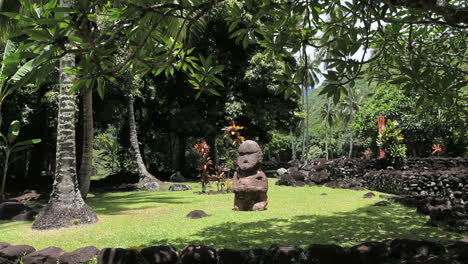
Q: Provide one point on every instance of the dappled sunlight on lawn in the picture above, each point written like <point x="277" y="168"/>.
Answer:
<point x="298" y="216"/>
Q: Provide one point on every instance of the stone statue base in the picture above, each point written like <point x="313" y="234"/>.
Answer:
<point x="250" y="201"/>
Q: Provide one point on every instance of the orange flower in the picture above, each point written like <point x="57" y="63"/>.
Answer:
<point x="436" y="148"/>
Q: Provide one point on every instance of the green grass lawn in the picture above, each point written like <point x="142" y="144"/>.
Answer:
<point x="299" y="216"/>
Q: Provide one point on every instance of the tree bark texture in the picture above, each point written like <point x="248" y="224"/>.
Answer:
<point x="86" y="167"/>
<point x="66" y="207"/>
<point x="147" y="181"/>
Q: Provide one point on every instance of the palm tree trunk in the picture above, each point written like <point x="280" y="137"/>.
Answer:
<point x="147" y="181"/>
<point x="65" y="207"/>
<point x="84" y="173"/>
<point x="326" y="141"/>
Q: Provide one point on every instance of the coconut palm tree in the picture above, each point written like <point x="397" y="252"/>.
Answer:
<point x="328" y="115"/>
<point x="66" y="207"/>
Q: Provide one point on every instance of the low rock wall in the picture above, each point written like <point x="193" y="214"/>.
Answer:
<point x="389" y="252"/>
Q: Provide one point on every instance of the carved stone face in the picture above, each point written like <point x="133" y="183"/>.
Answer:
<point x="250" y="156"/>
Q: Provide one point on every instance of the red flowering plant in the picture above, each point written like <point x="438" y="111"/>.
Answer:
<point x="391" y="145"/>
<point x="367" y="153"/>
<point x="205" y="163"/>
<point x="436" y="149"/>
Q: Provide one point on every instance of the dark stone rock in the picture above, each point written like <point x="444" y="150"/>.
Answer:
<point x="13" y="253"/>
<point x="406" y="248"/>
<point x="232" y="256"/>
<point x="177" y="177"/>
<point x="286" y="180"/>
<point x="196" y="214"/>
<point x="319" y="177"/>
<point x="79" y="256"/>
<point x="459" y="250"/>
<point x="286" y="254"/>
<point x="382" y="203"/>
<point x="325" y="254"/>
<point x="195" y="254"/>
<point x="249" y="256"/>
<point x="49" y="255"/>
<point x="369" y="195"/>
<point x="332" y="184"/>
<point x="25" y="216"/>
<point x="179" y="187"/>
<point x="160" y="255"/>
<point x="439" y="215"/>
<point x="8" y="210"/>
<point x="368" y="253"/>
<point x="324" y="194"/>
<point x="4" y="245"/>
<point x="383" y="196"/>
<point x="250" y="184"/>
<point x="298" y="176"/>
<point x="300" y="184"/>
<point x="117" y="256"/>
<point x="357" y="188"/>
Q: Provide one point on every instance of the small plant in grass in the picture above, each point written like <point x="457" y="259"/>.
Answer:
<point x="9" y="146"/>
<point x="390" y="141"/>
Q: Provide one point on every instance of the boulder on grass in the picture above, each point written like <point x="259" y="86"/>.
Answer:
<point x="49" y="255"/>
<point x="369" y="195"/>
<point x="8" y="210"/>
<point x="177" y="177"/>
<point x="117" y="256"/>
<point x="195" y="254"/>
<point x="286" y="180"/>
<point x="196" y="214"/>
<point x="179" y="187"/>
<point x="286" y="254"/>
<point x="160" y="255"/>
<point x="13" y="253"/>
<point x="382" y="203"/>
<point x="79" y="256"/>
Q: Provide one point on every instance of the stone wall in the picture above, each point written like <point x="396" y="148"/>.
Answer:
<point x="451" y="183"/>
<point x="389" y="252"/>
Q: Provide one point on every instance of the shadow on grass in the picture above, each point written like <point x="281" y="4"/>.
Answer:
<point x="118" y="202"/>
<point x="349" y="228"/>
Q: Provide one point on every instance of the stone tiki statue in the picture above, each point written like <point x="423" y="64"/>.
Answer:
<point x="250" y="183"/>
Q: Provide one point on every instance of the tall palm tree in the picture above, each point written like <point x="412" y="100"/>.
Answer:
<point x="147" y="181"/>
<point x="328" y="115"/>
<point x="66" y="207"/>
<point x="347" y="110"/>
<point x="86" y="166"/>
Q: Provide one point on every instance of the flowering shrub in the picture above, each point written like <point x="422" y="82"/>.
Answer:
<point x="436" y="148"/>
<point x="233" y="132"/>
<point x="205" y="164"/>
<point x="367" y="153"/>
<point x="390" y="141"/>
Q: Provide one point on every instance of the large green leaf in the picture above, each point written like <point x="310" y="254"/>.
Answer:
<point x="24" y="144"/>
<point x="7" y="68"/>
<point x="13" y="131"/>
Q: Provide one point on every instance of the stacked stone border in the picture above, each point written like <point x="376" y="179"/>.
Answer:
<point x="388" y="252"/>
<point x="438" y="187"/>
